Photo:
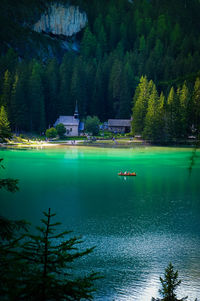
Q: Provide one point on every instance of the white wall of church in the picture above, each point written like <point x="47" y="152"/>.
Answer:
<point x="71" y="130"/>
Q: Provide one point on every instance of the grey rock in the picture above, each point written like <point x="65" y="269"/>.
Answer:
<point x="61" y="20"/>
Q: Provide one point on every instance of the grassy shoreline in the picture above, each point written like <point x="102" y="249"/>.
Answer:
<point x="107" y="143"/>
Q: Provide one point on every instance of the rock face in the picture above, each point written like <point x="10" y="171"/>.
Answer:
<point x="61" y="20"/>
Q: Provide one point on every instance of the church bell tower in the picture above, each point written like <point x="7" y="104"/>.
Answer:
<point x="76" y="115"/>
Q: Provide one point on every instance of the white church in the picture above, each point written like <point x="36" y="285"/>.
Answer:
<point x="72" y="123"/>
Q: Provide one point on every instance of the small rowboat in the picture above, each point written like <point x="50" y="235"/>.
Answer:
<point x="126" y="174"/>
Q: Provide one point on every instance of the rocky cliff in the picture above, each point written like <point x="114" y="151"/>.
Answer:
<point x="61" y="20"/>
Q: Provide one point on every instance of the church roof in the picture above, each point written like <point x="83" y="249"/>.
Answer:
<point x="67" y="120"/>
<point x="119" y="122"/>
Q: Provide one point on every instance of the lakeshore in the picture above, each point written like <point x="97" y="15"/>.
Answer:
<point x="104" y="143"/>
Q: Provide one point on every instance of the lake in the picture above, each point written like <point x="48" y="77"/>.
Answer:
<point x="138" y="224"/>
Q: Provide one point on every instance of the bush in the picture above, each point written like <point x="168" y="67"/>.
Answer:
<point x="61" y="130"/>
<point x="51" y="133"/>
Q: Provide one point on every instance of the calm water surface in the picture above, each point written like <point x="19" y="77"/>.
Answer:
<point x="138" y="224"/>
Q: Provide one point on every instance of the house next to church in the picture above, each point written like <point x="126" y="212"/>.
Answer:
<point x="72" y="123"/>
<point x="119" y="125"/>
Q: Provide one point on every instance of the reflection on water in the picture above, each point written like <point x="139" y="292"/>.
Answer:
<point x="138" y="225"/>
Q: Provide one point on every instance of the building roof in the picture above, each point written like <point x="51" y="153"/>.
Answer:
<point x="119" y="122"/>
<point x="67" y="120"/>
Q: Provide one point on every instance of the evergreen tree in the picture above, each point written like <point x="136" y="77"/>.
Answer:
<point x="184" y="99"/>
<point x="88" y="44"/>
<point x="170" y="112"/>
<point x="6" y="90"/>
<point x="48" y="259"/>
<point x="5" y="131"/>
<point x="36" y="95"/>
<point x="115" y="82"/>
<point x="124" y="111"/>
<point x="51" y="89"/>
<point x="173" y="114"/>
<point x="140" y="103"/>
<point x="78" y="86"/>
<point x="196" y="105"/>
<point x="152" y="129"/>
<point x="19" y="107"/>
<point x="169" y="285"/>
<point x="65" y="101"/>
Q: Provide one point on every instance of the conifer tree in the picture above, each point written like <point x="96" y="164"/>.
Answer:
<point x="36" y="94"/>
<point x="115" y="82"/>
<point x="21" y="99"/>
<point x="173" y="113"/>
<point x="18" y="107"/>
<point x="170" y="283"/>
<point x="5" y="131"/>
<point x="6" y="90"/>
<point x="65" y="101"/>
<point x="140" y="102"/>
<point x="51" y="84"/>
<point x="45" y="261"/>
<point x="196" y="105"/>
<point x="184" y="98"/>
<point x="170" y="112"/>
<point x="151" y="128"/>
<point x="88" y="44"/>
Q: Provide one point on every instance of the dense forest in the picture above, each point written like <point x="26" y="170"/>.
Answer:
<point x="123" y="41"/>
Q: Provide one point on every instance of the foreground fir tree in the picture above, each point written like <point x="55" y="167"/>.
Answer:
<point x="5" y="131"/>
<point x="170" y="283"/>
<point x="48" y="261"/>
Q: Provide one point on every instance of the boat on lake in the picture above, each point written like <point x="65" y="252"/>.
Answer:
<point x="126" y="174"/>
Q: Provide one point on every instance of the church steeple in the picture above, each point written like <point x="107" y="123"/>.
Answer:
<point x="76" y="115"/>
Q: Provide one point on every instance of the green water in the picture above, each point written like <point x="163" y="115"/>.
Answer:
<point x="137" y="224"/>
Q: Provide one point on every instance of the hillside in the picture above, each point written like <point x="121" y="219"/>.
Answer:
<point x="44" y="73"/>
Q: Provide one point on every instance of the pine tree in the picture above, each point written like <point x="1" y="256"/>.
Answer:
<point x="5" y="131"/>
<point x="115" y="82"/>
<point x="173" y="114"/>
<point x="88" y="44"/>
<point x="151" y="128"/>
<point x="140" y="103"/>
<point x="36" y="94"/>
<point x="6" y="90"/>
<point x="45" y="262"/>
<point x="51" y="84"/>
<point x="170" y="112"/>
<point x="184" y="98"/>
<point x="78" y="86"/>
<point x="169" y="285"/>
<point x="65" y="101"/>
<point x="196" y="105"/>
<point x="18" y="106"/>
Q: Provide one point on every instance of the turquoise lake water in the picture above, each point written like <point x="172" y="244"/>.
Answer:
<point x="138" y="224"/>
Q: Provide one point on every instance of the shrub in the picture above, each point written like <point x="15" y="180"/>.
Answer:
<point x="61" y="130"/>
<point x="51" y="133"/>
